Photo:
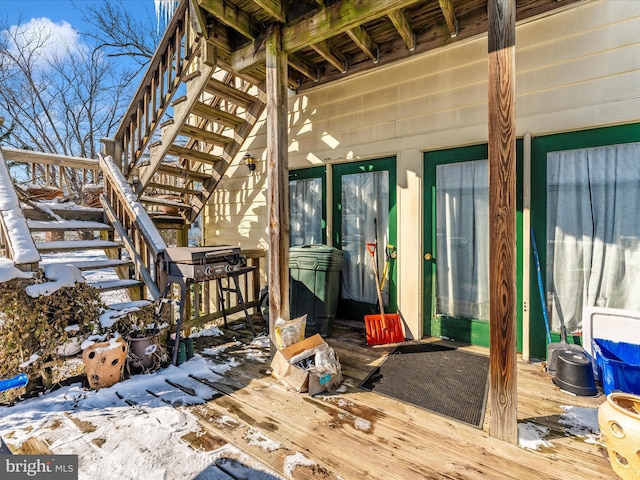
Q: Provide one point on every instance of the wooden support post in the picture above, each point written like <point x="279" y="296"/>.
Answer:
<point x="277" y="179"/>
<point x="502" y="217"/>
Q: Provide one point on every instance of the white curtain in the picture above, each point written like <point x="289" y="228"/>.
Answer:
<point x="365" y="205"/>
<point x="593" y="231"/>
<point x="305" y="211"/>
<point x="462" y="240"/>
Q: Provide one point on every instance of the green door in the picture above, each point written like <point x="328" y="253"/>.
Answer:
<point x="364" y="211"/>
<point x="456" y="244"/>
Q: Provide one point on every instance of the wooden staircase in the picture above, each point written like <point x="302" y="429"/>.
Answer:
<point x="186" y="123"/>
<point x="183" y="129"/>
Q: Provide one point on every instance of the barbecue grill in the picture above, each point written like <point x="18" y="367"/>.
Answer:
<point x="188" y="265"/>
<point x="203" y="263"/>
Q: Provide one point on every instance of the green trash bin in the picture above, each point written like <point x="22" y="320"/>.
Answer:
<point x="314" y="285"/>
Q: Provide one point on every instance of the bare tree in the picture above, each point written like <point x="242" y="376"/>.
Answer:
<point x="120" y="34"/>
<point x="62" y="92"/>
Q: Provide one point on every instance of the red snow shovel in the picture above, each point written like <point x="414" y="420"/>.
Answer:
<point x="383" y="328"/>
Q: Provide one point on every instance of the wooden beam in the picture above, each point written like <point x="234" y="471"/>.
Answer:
<point x="274" y="8"/>
<point x="401" y="22"/>
<point x="367" y="44"/>
<point x="336" y="19"/>
<point x="277" y="180"/>
<point x="502" y="220"/>
<point x="308" y="69"/>
<point x="334" y="57"/>
<point x="233" y="17"/>
<point x="198" y="20"/>
<point x="28" y="156"/>
<point x="450" y="17"/>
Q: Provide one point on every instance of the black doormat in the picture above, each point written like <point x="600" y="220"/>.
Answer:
<point x="438" y="378"/>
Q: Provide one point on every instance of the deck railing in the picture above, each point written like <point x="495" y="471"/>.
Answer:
<point x="171" y="61"/>
<point x="136" y="229"/>
<point x="68" y="174"/>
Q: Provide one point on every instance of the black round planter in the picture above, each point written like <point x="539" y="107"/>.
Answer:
<point x="574" y="374"/>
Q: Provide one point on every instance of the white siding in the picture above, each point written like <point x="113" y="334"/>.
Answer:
<point x="576" y="69"/>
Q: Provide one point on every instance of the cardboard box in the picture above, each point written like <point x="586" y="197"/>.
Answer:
<point x="284" y="368"/>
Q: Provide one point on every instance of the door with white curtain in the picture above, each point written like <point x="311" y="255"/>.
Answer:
<point x="365" y="212"/>
<point x="456" y="247"/>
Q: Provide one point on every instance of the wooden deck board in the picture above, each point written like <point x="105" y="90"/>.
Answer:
<point x="358" y="434"/>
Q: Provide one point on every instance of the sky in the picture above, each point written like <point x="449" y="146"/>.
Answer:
<point x="62" y="10"/>
<point x="64" y="20"/>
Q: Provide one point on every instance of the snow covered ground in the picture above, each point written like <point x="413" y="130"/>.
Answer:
<point x="127" y="432"/>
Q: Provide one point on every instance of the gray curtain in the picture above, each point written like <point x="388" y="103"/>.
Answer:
<point x="593" y="231"/>
<point x="462" y="240"/>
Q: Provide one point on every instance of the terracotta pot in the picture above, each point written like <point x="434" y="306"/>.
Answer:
<point x="104" y="362"/>
<point x="619" y="421"/>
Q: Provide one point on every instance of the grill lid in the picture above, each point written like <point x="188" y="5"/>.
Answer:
<point x="201" y="255"/>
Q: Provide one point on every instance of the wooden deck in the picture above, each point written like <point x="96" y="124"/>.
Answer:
<point x="355" y="434"/>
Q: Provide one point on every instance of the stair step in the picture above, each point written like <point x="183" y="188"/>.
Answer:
<point x="164" y="219"/>
<point x="205" y="135"/>
<point x="97" y="264"/>
<point x="179" y="100"/>
<point x="185" y="152"/>
<point x="110" y="285"/>
<point x="66" y="225"/>
<point x="160" y="201"/>
<point x="221" y="89"/>
<point x="67" y="246"/>
<point x="66" y="213"/>
<point x="173" y="188"/>
<point x="216" y="115"/>
<point x="181" y="172"/>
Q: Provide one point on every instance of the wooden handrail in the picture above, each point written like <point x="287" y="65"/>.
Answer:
<point x="171" y="61"/>
<point x="141" y="238"/>
<point x="56" y="169"/>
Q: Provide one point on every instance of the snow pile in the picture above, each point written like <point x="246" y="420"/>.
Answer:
<point x="531" y="436"/>
<point x="129" y="430"/>
<point x="295" y="460"/>
<point x="20" y="241"/>
<point x="581" y="422"/>
<point x="255" y="437"/>
<point x="60" y="276"/>
<point x="207" y="332"/>
<point x="109" y="317"/>
<point x="8" y="271"/>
